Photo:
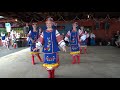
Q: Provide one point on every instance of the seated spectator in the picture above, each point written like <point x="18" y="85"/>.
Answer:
<point x="3" y="38"/>
<point x="116" y="37"/>
<point x="117" y="42"/>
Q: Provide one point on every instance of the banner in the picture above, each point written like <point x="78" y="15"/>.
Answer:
<point x="8" y="27"/>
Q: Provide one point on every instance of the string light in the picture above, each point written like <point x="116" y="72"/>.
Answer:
<point x="1" y="17"/>
<point x="16" y="20"/>
<point x="88" y="15"/>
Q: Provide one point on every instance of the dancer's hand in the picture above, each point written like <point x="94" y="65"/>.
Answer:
<point x="35" y="49"/>
<point x="64" y="49"/>
<point x="81" y="40"/>
<point x="32" y="40"/>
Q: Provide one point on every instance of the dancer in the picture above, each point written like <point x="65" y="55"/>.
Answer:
<point x="83" y="41"/>
<point x="33" y="35"/>
<point x="73" y="38"/>
<point x="51" y="38"/>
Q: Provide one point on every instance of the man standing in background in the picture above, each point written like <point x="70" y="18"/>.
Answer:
<point x="26" y="29"/>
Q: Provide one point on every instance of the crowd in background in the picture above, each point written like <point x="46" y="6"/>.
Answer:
<point x="10" y="40"/>
<point x="116" y="39"/>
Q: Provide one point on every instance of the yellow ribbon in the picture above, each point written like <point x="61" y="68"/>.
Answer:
<point x="73" y="53"/>
<point x="49" y="66"/>
<point x="34" y="52"/>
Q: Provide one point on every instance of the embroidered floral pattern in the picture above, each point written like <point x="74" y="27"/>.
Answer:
<point x="73" y="39"/>
<point x="50" y="59"/>
<point x="48" y="44"/>
<point x="74" y="47"/>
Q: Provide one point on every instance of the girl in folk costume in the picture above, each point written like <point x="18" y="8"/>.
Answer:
<point x="51" y="38"/>
<point x="33" y="35"/>
<point x="83" y="41"/>
<point x="73" y="38"/>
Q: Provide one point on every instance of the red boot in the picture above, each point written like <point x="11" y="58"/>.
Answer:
<point x="49" y="73"/>
<point x="85" y="51"/>
<point x="74" y="60"/>
<point x="78" y="57"/>
<point x="14" y="46"/>
<point x="53" y="73"/>
<point x="39" y="58"/>
<point x="81" y="50"/>
<point x="33" y="62"/>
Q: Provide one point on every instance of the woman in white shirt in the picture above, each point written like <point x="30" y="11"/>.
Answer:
<point x="3" y="38"/>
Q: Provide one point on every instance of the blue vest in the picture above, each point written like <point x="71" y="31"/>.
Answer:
<point x="3" y="37"/>
<point x="50" y="58"/>
<point x="84" y="43"/>
<point x="34" y="36"/>
<point x="74" y="42"/>
<point x="50" y="42"/>
<point x="74" y="38"/>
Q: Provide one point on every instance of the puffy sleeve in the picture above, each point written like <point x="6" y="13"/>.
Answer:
<point x="40" y="41"/>
<point x="60" y="40"/>
<point x="1" y="33"/>
<point x="88" y="35"/>
<point x="29" y="34"/>
<point x="80" y="32"/>
<point x="83" y="37"/>
<point x="67" y="36"/>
